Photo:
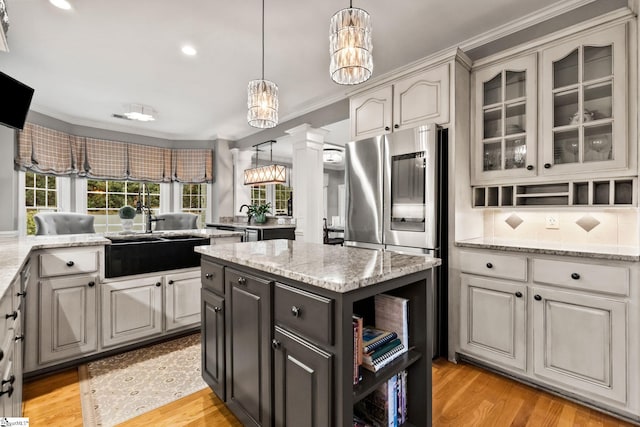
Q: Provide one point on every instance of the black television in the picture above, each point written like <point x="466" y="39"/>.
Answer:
<point x="15" y="99"/>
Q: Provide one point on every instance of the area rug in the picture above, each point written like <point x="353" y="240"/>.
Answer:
<point x="120" y="387"/>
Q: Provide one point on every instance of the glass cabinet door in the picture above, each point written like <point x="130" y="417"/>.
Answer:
<point x="585" y="104"/>
<point x="506" y="120"/>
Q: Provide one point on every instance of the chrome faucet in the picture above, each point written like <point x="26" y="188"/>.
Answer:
<point x="248" y="214"/>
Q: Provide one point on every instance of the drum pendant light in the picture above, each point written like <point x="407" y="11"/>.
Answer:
<point x="350" y="46"/>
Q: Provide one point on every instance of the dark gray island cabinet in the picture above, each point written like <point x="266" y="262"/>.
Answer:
<point x="277" y="331"/>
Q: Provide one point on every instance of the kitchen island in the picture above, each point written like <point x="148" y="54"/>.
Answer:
<point x="277" y="328"/>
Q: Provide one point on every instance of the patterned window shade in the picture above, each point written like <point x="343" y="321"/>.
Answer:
<point x="193" y="165"/>
<point x="105" y="159"/>
<point x="147" y="163"/>
<point x="45" y="150"/>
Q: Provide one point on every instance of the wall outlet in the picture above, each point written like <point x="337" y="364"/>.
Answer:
<point x="551" y="221"/>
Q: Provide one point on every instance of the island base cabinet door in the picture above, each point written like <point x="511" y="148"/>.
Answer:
<point x="249" y="347"/>
<point x="213" y="366"/>
<point x="493" y="320"/>
<point x="182" y="300"/>
<point x="68" y="318"/>
<point x="579" y="342"/>
<point x="302" y="378"/>
<point x="131" y="310"/>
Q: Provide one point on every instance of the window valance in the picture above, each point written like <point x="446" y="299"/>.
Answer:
<point x="50" y="151"/>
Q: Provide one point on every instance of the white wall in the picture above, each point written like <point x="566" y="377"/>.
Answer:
<point x="8" y="181"/>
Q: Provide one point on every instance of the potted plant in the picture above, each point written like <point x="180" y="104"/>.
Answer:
<point x="127" y="214"/>
<point x="259" y="212"/>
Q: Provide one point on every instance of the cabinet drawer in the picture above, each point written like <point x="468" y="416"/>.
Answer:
<point x="62" y="263"/>
<point x="304" y="312"/>
<point x="589" y="277"/>
<point x="494" y="265"/>
<point x="212" y="276"/>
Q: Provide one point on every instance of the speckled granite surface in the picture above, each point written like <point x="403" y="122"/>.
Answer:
<point x="616" y="253"/>
<point x="14" y="251"/>
<point x="337" y="268"/>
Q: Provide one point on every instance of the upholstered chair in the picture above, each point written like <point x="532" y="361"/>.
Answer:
<point x="176" y="221"/>
<point x="51" y="223"/>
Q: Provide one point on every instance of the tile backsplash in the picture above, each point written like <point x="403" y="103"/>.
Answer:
<point x="607" y="227"/>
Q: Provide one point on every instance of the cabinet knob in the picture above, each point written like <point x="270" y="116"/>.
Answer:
<point x="296" y="311"/>
<point x="575" y="276"/>
<point x="22" y="294"/>
<point x="518" y="294"/>
<point x="529" y="167"/>
<point x="242" y="281"/>
<point x="489" y="265"/>
<point x="387" y="128"/>
<point x="537" y="297"/>
<point x="171" y="282"/>
<point x="275" y="344"/>
<point x="13" y="315"/>
<point x="70" y="263"/>
<point x="19" y="337"/>
<point x="209" y="276"/>
<point x="91" y="284"/>
<point x="396" y="126"/>
<point x="217" y="309"/>
<point x="158" y="284"/>
<point x="8" y="391"/>
<point x="547" y="165"/>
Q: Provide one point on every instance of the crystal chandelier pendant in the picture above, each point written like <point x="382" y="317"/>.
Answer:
<point x="350" y="46"/>
<point x="262" y="104"/>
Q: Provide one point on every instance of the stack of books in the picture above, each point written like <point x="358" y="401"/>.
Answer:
<point x="385" y="406"/>
<point x="379" y="348"/>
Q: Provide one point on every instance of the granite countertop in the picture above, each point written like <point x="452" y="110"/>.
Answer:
<point x="611" y="252"/>
<point x="252" y="225"/>
<point x="200" y="232"/>
<point x="336" y="268"/>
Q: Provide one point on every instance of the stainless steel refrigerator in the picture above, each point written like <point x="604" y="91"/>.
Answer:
<point x="394" y="200"/>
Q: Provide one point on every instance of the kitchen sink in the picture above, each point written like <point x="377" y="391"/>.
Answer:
<point x="126" y="256"/>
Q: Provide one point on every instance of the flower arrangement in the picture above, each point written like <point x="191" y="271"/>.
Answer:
<point x="127" y="212"/>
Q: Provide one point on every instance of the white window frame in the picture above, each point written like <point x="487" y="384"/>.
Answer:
<point x="63" y="199"/>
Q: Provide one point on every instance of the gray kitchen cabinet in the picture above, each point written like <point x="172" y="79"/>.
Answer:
<point x="248" y="343"/>
<point x="11" y="351"/>
<point x="131" y="310"/>
<point x="68" y="318"/>
<point x="213" y="342"/>
<point x="182" y="300"/>
<point x="580" y="342"/>
<point x="302" y="382"/>
<point x="493" y="320"/>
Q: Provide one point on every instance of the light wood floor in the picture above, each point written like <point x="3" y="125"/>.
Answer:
<point x="463" y="395"/>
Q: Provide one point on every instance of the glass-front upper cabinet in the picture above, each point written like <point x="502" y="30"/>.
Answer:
<point x="505" y="120"/>
<point x="585" y="104"/>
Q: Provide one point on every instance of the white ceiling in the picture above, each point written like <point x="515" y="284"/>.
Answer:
<point x="88" y="63"/>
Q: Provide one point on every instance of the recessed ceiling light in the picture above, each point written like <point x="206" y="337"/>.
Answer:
<point x="61" y="4"/>
<point x="189" y="50"/>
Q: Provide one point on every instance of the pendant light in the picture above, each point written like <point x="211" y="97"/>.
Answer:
<point x="262" y="97"/>
<point x="270" y="174"/>
<point x="350" y="46"/>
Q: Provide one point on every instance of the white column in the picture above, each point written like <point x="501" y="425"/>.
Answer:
<point x="221" y="195"/>
<point x="242" y="193"/>
<point x="308" y="181"/>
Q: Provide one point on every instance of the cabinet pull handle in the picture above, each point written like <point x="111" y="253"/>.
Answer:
<point x="91" y="284"/>
<point x="209" y="276"/>
<point x="242" y="281"/>
<point x="70" y="263"/>
<point x="275" y="344"/>
<point x="11" y="380"/>
<point x="489" y="265"/>
<point x="217" y="309"/>
<point x="14" y="315"/>
<point x="1" y="354"/>
<point x="296" y="311"/>
<point x="8" y="391"/>
<point x="158" y="284"/>
<point x="22" y="294"/>
<point x="547" y="165"/>
<point x="518" y="294"/>
<point x="387" y="128"/>
<point x="171" y="282"/>
<point x="529" y="167"/>
<point x="537" y="297"/>
<point x="396" y="126"/>
<point x="20" y="338"/>
<point x="575" y="276"/>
